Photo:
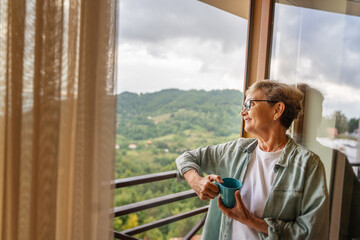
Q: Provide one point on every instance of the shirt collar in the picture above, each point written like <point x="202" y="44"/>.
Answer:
<point x="250" y="148"/>
<point x="283" y="160"/>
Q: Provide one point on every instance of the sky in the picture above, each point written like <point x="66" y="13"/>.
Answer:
<point x="183" y="44"/>
<point x="321" y="49"/>
<point x="188" y="44"/>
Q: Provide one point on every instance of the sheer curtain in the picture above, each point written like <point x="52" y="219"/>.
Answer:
<point x="57" y="115"/>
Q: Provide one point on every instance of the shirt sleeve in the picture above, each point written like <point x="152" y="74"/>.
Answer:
<point x="203" y="159"/>
<point x="313" y="223"/>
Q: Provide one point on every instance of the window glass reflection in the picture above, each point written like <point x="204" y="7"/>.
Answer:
<point x="322" y="50"/>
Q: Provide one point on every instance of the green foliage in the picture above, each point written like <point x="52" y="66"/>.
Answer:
<point x="163" y="125"/>
<point x="133" y="221"/>
<point x="118" y="223"/>
<point x="353" y="124"/>
<point x="170" y="111"/>
<point x="341" y="122"/>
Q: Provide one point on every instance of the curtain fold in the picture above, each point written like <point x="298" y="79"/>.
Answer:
<point x="57" y="118"/>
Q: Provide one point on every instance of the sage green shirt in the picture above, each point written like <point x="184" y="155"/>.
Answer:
<point x="297" y="206"/>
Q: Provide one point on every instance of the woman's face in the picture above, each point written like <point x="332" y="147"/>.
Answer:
<point x="259" y="119"/>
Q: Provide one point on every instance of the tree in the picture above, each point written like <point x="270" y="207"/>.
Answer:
<point x="353" y="124"/>
<point x="118" y="224"/>
<point x="133" y="221"/>
<point x="341" y="122"/>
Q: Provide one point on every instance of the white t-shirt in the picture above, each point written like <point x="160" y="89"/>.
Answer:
<point x="255" y="190"/>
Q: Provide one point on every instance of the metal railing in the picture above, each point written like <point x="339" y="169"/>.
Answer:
<point x="138" y="206"/>
<point x="356" y="165"/>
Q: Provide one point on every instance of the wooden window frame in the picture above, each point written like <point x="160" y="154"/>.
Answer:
<point x="258" y="47"/>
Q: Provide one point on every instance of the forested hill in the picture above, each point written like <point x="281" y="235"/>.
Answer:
<point x="174" y="110"/>
<point x="171" y="100"/>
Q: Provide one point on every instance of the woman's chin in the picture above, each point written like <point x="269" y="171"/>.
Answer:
<point x="248" y="129"/>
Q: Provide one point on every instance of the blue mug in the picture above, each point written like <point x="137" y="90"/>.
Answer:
<point x="227" y="191"/>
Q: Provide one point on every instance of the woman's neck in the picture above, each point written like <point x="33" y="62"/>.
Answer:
<point x="272" y="143"/>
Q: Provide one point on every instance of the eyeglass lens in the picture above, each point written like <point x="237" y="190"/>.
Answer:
<point x="247" y="105"/>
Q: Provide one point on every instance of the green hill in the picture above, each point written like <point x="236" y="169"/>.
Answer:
<point x="170" y="100"/>
<point x="171" y="111"/>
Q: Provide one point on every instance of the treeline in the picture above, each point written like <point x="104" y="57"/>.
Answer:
<point x="171" y="100"/>
<point x="339" y="121"/>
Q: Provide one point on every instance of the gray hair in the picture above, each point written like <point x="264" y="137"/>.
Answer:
<point x="281" y="92"/>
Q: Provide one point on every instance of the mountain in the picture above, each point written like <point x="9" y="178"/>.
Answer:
<point x="149" y="115"/>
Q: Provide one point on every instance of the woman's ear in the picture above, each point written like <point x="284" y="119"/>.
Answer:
<point x="279" y="110"/>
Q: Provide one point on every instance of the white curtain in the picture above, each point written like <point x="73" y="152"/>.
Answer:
<point x="57" y="115"/>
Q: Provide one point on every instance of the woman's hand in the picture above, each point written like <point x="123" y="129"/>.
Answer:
<point x="241" y="213"/>
<point x="205" y="189"/>
<point x="203" y="186"/>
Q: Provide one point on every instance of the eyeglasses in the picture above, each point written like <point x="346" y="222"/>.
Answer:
<point x="247" y="104"/>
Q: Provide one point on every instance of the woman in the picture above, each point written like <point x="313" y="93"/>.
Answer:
<point x="284" y="193"/>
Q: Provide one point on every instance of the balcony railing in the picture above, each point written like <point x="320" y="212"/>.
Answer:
<point x="336" y="195"/>
<point x="138" y="206"/>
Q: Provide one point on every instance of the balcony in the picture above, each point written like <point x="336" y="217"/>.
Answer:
<point x="138" y="206"/>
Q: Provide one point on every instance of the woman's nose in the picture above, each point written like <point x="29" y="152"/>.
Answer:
<point x="243" y="112"/>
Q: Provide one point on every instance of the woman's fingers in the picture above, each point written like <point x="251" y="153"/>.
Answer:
<point x="230" y="212"/>
<point x="221" y="205"/>
<point x="214" y="177"/>
<point x="213" y="187"/>
<point x="238" y="199"/>
<point x="206" y="196"/>
<point x="239" y="212"/>
<point x="206" y="189"/>
<point x="210" y="189"/>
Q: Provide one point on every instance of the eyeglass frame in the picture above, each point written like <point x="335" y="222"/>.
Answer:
<point x="247" y="104"/>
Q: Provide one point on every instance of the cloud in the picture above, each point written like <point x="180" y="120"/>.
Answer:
<point x="189" y="64"/>
<point x="179" y="44"/>
<point x="330" y="41"/>
<point x="160" y="20"/>
<point x="322" y="49"/>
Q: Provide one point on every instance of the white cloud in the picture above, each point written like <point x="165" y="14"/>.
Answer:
<point x="184" y="64"/>
<point x="179" y="44"/>
<point x="159" y="20"/>
<point x="322" y="50"/>
<point x="340" y="97"/>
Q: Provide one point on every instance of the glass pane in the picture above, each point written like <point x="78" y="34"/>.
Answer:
<point x="322" y="49"/>
<point x="181" y="67"/>
<point x="316" y="46"/>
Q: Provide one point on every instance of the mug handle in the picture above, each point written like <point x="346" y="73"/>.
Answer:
<point x="220" y="187"/>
